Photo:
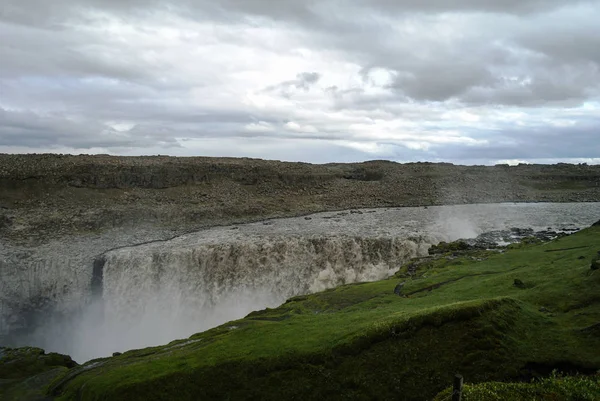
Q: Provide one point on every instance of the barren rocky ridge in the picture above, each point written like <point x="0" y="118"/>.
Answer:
<point x="46" y="196"/>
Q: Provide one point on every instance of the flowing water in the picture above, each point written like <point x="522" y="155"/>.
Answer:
<point x="149" y="294"/>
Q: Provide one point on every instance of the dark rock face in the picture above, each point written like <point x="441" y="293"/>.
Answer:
<point x="444" y="247"/>
<point x="494" y="239"/>
<point x="5" y="221"/>
<point x="491" y="239"/>
<point x="97" y="276"/>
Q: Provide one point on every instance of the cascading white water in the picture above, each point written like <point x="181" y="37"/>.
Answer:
<point x="160" y="291"/>
<point x="30" y="283"/>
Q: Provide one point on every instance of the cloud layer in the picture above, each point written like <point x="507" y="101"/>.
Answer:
<point x="463" y="81"/>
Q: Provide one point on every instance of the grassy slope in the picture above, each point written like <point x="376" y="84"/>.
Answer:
<point x="363" y="342"/>
<point x="553" y="388"/>
<point x="26" y="372"/>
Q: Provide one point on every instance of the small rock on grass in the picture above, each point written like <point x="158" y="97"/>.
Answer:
<point x="595" y="265"/>
<point x="518" y="283"/>
<point x="398" y="288"/>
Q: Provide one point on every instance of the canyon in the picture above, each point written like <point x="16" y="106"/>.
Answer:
<point x="140" y="251"/>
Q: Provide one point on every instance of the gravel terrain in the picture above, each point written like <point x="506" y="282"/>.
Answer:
<point x="47" y="197"/>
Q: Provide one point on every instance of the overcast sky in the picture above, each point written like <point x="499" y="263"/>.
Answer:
<point x="464" y="81"/>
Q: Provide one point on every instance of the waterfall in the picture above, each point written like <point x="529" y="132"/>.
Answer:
<point x="32" y="287"/>
<point x="160" y="292"/>
<point x="91" y="295"/>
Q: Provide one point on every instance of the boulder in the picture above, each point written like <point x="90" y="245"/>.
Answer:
<point x="445" y="247"/>
<point x="5" y="221"/>
<point x="398" y="288"/>
<point x="518" y="283"/>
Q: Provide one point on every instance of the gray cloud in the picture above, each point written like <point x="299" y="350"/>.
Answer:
<point x="35" y="10"/>
<point x="490" y="6"/>
<point x="28" y="129"/>
<point x="399" y="79"/>
<point x="303" y="81"/>
<point x="441" y="82"/>
<point x="541" y="142"/>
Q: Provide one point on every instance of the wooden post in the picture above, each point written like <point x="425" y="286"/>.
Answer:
<point x="457" y="388"/>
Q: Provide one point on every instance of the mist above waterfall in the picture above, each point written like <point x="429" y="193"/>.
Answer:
<point x="154" y="293"/>
<point x="90" y="333"/>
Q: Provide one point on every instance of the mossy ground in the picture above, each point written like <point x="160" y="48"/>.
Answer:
<point x="460" y="314"/>
<point x="553" y="388"/>
<point x="26" y="372"/>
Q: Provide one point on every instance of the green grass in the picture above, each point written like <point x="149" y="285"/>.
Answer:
<point x="25" y="372"/>
<point x="364" y="342"/>
<point x="553" y="388"/>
